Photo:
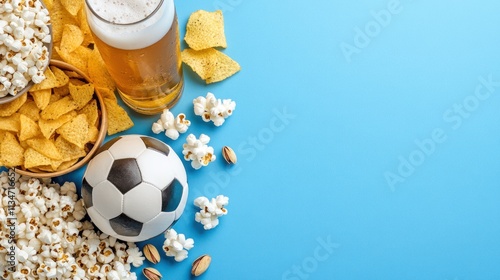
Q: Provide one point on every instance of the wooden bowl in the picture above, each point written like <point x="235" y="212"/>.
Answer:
<point x="103" y="126"/>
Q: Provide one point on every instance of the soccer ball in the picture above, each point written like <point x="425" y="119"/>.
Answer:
<point x="134" y="188"/>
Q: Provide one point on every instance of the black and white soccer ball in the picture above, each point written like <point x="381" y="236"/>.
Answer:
<point x="134" y="188"/>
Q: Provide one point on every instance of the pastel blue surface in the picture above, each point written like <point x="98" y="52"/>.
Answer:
<point x="368" y="142"/>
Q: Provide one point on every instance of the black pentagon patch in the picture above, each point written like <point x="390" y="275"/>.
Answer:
<point x="87" y="193"/>
<point x="126" y="226"/>
<point x="152" y="143"/>
<point x="107" y="145"/>
<point x="171" y="196"/>
<point x="125" y="174"/>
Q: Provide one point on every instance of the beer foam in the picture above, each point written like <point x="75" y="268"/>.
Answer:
<point x="118" y="32"/>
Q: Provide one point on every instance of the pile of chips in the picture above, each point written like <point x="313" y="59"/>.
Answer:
<point x="205" y="33"/>
<point x="53" y="126"/>
<point x="73" y="43"/>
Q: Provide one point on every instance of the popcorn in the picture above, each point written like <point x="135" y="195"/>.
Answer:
<point x="23" y="32"/>
<point x="197" y="151"/>
<point x="51" y="242"/>
<point x="172" y="126"/>
<point x="176" y="245"/>
<point x="213" y="109"/>
<point x="211" y="210"/>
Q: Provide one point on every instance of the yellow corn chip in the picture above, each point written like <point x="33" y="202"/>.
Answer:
<point x="48" y="4"/>
<point x="59" y="17"/>
<point x="41" y="97"/>
<point x="50" y="81"/>
<point x="10" y="123"/>
<point x="75" y="131"/>
<point x="33" y="158"/>
<point x="67" y="164"/>
<point x="28" y="128"/>
<point x="11" y="151"/>
<point x="91" y="112"/>
<point x="58" y="108"/>
<point x="106" y="93"/>
<point x="77" y="58"/>
<point x="118" y="119"/>
<point x="45" y="147"/>
<point x="84" y="26"/>
<point x="98" y="73"/>
<point x="71" y="39"/>
<point x="210" y="64"/>
<point x="205" y="30"/>
<point x="10" y="108"/>
<point x="72" y="6"/>
<point x="81" y="94"/>
<point x="61" y="77"/>
<point x="49" y="127"/>
<point x="30" y="109"/>
<point x="69" y="151"/>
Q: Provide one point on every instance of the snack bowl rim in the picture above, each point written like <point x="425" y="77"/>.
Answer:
<point x="100" y="137"/>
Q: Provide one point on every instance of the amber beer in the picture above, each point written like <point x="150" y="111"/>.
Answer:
<point x="139" y="42"/>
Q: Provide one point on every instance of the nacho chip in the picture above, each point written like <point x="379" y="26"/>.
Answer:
<point x="210" y="64"/>
<point x="84" y="26"/>
<point x="10" y="123"/>
<point x="72" y="38"/>
<point x="69" y="151"/>
<point x="45" y="147"/>
<point x="72" y="6"/>
<point x="61" y="77"/>
<point x="60" y="92"/>
<point x="41" y="97"/>
<point x="59" y="17"/>
<point x="28" y="128"/>
<point x="75" y="131"/>
<point x="50" y="81"/>
<point x="33" y="158"/>
<point x="205" y="30"/>
<point x="91" y="112"/>
<point x="106" y="93"/>
<point x="81" y="94"/>
<point x="7" y="109"/>
<point x="30" y="109"/>
<point x="58" y="108"/>
<point x="11" y="151"/>
<point x="93" y="134"/>
<point x="98" y="73"/>
<point x="49" y="127"/>
<point x="118" y="119"/>
<point x="77" y="58"/>
<point x="67" y="164"/>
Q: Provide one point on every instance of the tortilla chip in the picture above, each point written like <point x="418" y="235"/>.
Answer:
<point x="81" y="94"/>
<point x="45" y="147"/>
<point x="72" y="6"/>
<point x="7" y="109"/>
<point x="49" y="127"/>
<point x="59" y="17"/>
<point x="33" y="158"/>
<point x="28" y="128"/>
<point x="205" y="30"/>
<point x="91" y="112"/>
<point x="84" y="26"/>
<point x="41" y="97"/>
<point x="72" y="37"/>
<point x="75" y="131"/>
<point x="67" y="164"/>
<point x="77" y="58"/>
<point x="58" y="108"/>
<point x="98" y="73"/>
<point x="106" y="93"/>
<point x="10" y="123"/>
<point x="50" y="81"/>
<point x="11" y="151"/>
<point x="118" y="119"/>
<point x="210" y="64"/>
<point x="61" y="77"/>
<point x="69" y="151"/>
<point x="30" y="109"/>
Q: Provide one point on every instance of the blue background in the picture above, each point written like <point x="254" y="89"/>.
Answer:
<point x="320" y="175"/>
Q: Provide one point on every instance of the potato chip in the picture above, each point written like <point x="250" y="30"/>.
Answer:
<point x="28" y="128"/>
<point x="205" y="30"/>
<point x="45" y="147"/>
<point x="61" y="77"/>
<point x="81" y="94"/>
<point x="33" y="158"/>
<point x="41" y="97"/>
<point x="72" y="6"/>
<point x="58" y="108"/>
<point x="10" y="123"/>
<point x="75" y="131"/>
<point x="30" y="109"/>
<point x="7" y="109"/>
<point x="72" y="38"/>
<point x="11" y="151"/>
<point x="210" y="64"/>
<point x="118" y="119"/>
<point x="49" y="127"/>
<point x="91" y="112"/>
<point x="98" y="73"/>
<point x="50" y="81"/>
<point x="69" y="151"/>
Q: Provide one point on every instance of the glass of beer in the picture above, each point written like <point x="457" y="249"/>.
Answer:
<point x="139" y="42"/>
